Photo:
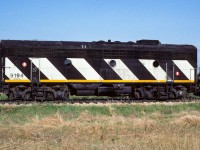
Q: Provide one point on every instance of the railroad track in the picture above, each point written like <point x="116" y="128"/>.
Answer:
<point x="95" y="101"/>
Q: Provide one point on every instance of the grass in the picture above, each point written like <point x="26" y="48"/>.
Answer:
<point x="140" y="110"/>
<point x="3" y="96"/>
<point x="120" y="126"/>
<point x="22" y="113"/>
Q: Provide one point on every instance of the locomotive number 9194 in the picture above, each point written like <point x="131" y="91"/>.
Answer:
<point x="16" y="75"/>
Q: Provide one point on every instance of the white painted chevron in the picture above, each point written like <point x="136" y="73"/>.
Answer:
<point x="186" y="68"/>
<point x="85" y="69"/>
<point x="157" y="72"/>
<point x="122" y="70"/>
<point x="12" y="72"/>
<point x="47" y="68"/>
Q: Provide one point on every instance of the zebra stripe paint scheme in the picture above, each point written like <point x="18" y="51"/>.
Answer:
<point x="186" y="68"/>
<point x="85" y="69"/>
<point x="26" y="70"/>
<point x="12" y="71"/>
<point x="122" y="70"/>
<point x="171" y="70"/>
<point x="104" y="69"/>
<point x="47" y="68"/>
<point x="89" y="74"/>
<point x="138" y="69"/>
<point x="157" y="72"/>
<point x="70" y="72"/>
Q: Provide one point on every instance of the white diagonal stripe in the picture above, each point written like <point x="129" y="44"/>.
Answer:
<point x="12" y="72"/>
<point x="122" y="70"/>
<point x="85" y="69"/>
<point x="47" y="68"/>
<point x="186" y="68"/>
<point x="157" y="72"/>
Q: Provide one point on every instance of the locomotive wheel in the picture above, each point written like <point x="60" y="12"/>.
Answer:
<point x="66" y="95"/>
<point x="27" y="96"/>
<point x="11" y="96"/>
<point x="172" y="95"/>
<point x="137" y="95"/>
<point x="50" y="96"/>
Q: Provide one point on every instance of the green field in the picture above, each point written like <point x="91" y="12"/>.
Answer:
<point x="93" y="126"/>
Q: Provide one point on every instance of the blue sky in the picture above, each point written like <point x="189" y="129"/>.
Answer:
<point x="170" y="21"/>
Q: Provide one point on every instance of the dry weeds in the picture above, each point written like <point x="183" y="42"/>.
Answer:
<point x="88" y="131"/>
<point x="188" y="120"/>
<point x="113" y="131"/>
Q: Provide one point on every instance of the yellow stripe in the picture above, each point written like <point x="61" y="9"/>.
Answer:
<point x="100" y="81"/>
<point x="17" y="81"/>
<point x="183" y="81"/>
<point x="116" y="81"/>
<point x="103" y="81"/>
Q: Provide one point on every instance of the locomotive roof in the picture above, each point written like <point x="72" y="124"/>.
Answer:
<point x="141" y="44"/>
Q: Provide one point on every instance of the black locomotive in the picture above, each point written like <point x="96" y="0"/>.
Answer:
<point x="50" y="70"/>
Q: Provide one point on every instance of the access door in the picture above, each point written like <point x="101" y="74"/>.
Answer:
<point x="169" y="71"/>
<point x="35" y="70"/>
